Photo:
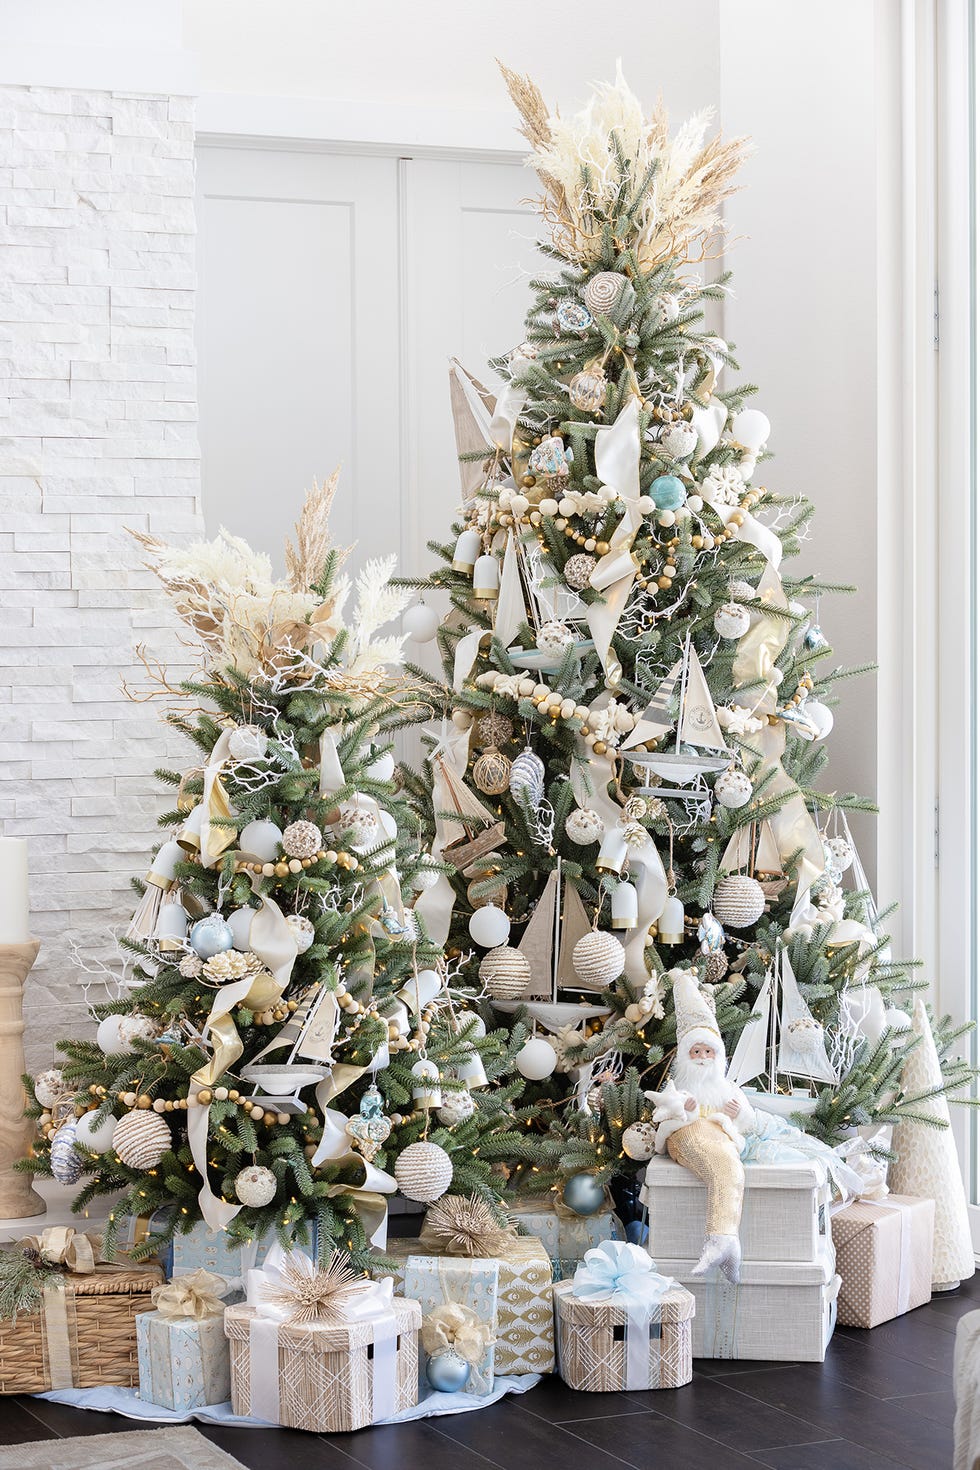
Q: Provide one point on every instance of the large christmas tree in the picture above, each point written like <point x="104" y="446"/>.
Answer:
<point x="283" y="1035"/>
<point x="628" y="778"/>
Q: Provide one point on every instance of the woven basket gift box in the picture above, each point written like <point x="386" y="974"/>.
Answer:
<point x="94" y="1339"/>
<point x="326" y="1370"/>
<point x="592" y="1341"/>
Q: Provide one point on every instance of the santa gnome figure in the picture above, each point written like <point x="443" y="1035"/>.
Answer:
<point x="702" y="1119"/>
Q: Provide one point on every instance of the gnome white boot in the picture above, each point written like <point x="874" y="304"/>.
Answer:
<point x="723" y="1251"/>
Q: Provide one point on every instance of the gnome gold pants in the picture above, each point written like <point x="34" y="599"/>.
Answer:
<point x="709" y="1153"/>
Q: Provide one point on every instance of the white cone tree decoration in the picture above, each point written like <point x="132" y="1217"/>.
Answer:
<point x="927" y="1163"/>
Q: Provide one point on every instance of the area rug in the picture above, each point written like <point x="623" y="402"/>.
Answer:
<point x="145" y="1449"/>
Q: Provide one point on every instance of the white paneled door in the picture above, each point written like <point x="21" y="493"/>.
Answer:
<point x="333" y="291"/>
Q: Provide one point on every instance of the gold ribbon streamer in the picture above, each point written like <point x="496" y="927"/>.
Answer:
<point x="196" y="1295"/>
<point x="58" y="1335"/>
<point x="60" y="1245"/>
<point x="216" y="839"/>
<point x="455" y="1328"/>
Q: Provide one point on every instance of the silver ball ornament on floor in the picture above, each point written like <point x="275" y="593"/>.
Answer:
<point x="738" y="901"/>
<point x="598" y="959"/>
<point x="639" y="1141"/>
<point x="255" y="1186"/>
<point x="423" y="1172"/>
<point x="447" y="1372"/>
<point x="210" y="936"/>
<point x="141" y="1139"/>
<point x="66" y="1166"/>
<point x="584" y="1194"/>
<point x="733" y="789"/>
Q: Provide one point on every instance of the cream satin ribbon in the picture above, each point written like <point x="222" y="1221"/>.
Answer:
<point x="215" y="840"/>
<point x="758" y="648"/>
<point x="453" y="1327"/>
<point x="507" y="410"/>
<point x="617" y="463"/>
<point x="332" y="776"/>
<point x="434" y="905"/>
<point x="752" y="531"/>
<point x="60" y="1245"/>
<point x="196" y="1295"/>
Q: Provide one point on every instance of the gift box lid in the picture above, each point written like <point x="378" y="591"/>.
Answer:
<point x="676" y="1305"/>
<point x="852" y="1220"/>
<point x="325" y="1337"/>
<point x="807" y="1174"/>
<point x="818" y="1272"/>
<point x="125" y="1279"/>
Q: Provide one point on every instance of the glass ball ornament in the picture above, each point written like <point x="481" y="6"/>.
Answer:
<point x="66" y="1165"/>
<point x="537" y="1059"/>
<point x="211" y="935"/>
<point x="587" y="390"/>
<point x="49" y="1086"/>
<point x="578" y="569"/>
<point x="733" y="789"/>
<point x="839" y="853"/>
<point x="554" y="639"/>
<point x="255" y="1186"/>
<point x="821" y="718"/>
<point x="457" y="1107"/>
<point x="584" y="826"/>
<point x="248" y="743"/>
<point x="491" y="773"/>
<point x="732" y="620"/>
<point x="639" y="1142"/>
<point x="584" y="1194"/>
<point x="97" y="1137"/>
<point x="447" y="1372"/>
<point x="302" y="931"/>
<point x="423" y="1172"/>
<point x="261" y="840"/>
<point x="667" y="492"/>
<point x="420" y="623"/>
<point x="489" y="926"/>
<point x="710" y="933"/>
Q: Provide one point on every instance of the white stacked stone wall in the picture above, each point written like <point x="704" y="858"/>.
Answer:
<point x="98" y="434"/>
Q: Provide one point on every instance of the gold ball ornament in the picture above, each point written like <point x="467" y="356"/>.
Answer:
<point x="491" y="773"/>
<point x="423" y="1172"/>
<point x="598" y="959"/>
<point x="141" y="1139"/>
<point x="505" y="973"/>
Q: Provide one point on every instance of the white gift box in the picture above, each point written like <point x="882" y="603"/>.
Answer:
<point x="781" y="1311"/>
<point x="785" y="1214"/>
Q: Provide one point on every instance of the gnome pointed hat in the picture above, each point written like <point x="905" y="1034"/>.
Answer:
<point x="695" y="1014"/>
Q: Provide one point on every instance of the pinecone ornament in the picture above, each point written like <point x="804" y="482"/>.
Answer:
<point x="231" y="964"/>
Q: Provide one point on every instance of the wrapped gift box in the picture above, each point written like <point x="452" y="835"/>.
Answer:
<point x="217" y="1251"/>
<point x="183" y="1363"/>
<point x="783" y="1311"/>
<point x="434" y="1281"/>
<point x="785" y="1211"/>
<point x="564" y="1235"/>
<point x="328" y="1378"/>
<point x="884" y="1257"/>
<point x="524" y="1311"/>
<point x="594" y="1347"/>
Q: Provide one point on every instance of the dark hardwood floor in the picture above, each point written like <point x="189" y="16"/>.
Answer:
<point x="882" y="1400"/>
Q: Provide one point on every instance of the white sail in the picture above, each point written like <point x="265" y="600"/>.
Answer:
<point x="451" y="790"/>
<point x="699" y="722"/>
<point x="538" y="943"/>
<point x="510" y="612"/>
<point x="802" y="1053"/>
<point x="748" y="1060"/>
<point x="574" y="924"/>
<point x="656" y="719"/>
<point x="472" y="407"/>
<point x="767" y="857"/>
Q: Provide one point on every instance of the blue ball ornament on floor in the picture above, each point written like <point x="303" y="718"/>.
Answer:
<point x="584" y="1194"/>
<point x="211" y="936"/>
<point x="447" y="1372"/>
<point x="667" y="492"/>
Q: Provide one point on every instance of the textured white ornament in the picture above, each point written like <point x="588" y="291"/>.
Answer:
<point x="255" y="1186"/>
<point x="805" y="1036"/>
<point x="302" y="931"/>
<point x="639" y="1141"/>
<point x="358" y="825"/>
<point x="494" y="729"/>
<point x="554" y="639"/>
<point x="424" y="1172"/>
<point x="505" y="973"/>
<point x="583" y="826"/>
<point x="738" y="901"/>
<point x="578" y="570"/>
<point x="679" y="441"/>
<point x="598" y="959"/>
<point x="66" y="1165"/>
<point x="742" y="591"/>
<point x="248" y="743"/>
<point x="137" y="1028"/>
<point x="604" y="291"/>
<point x="732" y="620"/>
<point x="537" y="1059"/>
<point x="302" y="840"/>
<point x="457" y="1107"/>
<point x="49" y="1086"/>
<point x="733" y="789"/>
<point x="141" y="1139"/>
<point x="427" y="875"/>
<point x="190" y="967"/>
<point x="840" y="853"/>
<point x="527" y="778"/>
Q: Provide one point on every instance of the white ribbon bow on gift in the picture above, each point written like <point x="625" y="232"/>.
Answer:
<point x="615" y="1271"/>
<point x="365" y="1301"/>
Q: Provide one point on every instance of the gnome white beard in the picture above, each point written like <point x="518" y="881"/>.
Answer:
<point x="704" y="1080"/>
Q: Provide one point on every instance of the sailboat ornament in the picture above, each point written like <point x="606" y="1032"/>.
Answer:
<point x="783" y="1039"/>
<point x="309" y="1034"/>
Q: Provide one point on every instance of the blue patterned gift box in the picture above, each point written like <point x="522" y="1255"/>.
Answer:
<point x="433" y="1281"/>
<point x="183" y="1363"/>
<point x="565" y="1236"/>
<point x="199" y="1249"/>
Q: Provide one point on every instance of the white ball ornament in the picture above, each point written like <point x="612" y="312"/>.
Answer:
<point x="141" y="1139"/>
<point x="427" y="875"/>
<point x="136" y="1028"/>
<point x="66" y="1166"/>
<point x="821" y="718"/>
<point x="423" y="1172"/>
<point x="554" y="639"/>
<point x="679" y="441"/>
<point x="733" y="789"/>
<point x="255" y="1186"/>
<point x="639" y="1141"/>
<point x="805" y="1035"/>
<point x="97" y="1137"/>
<point x="49" y="1086"/>
<point x="457" y="1107"/>
<point x="840" y="853"/>
<point x="537" y="1059"/>
<point x="358" y="825"/>
<point x="738" y="901"/>
<point x="505" y="973"/>
<point x="239" y="921"/>
<point x="750" y="429"/>
<point x="489" y="926"/>
<point x="248" y="743"/>
<point x="211" y="935"/>
<point x="732" y="620"/>
<point x="598" y="959"/>
<point x="261" y="840"/>
<point x="584" y="826"/>
<point x="382" y="768"/>
<point x="302" y="931"/>
<point x="421" y="623"/>
<point x="108" y="1039"/>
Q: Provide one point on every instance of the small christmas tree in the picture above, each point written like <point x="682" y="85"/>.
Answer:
<point x="636" y="693"/>
<point x="285" y="1028"/>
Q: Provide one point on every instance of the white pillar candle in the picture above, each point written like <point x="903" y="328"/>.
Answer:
<point x="15" y="912"/>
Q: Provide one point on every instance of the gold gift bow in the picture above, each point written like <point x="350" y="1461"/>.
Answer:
<point x="196" y="1295"/>
<point x="473" y="1232"/>
<point x="455" y="1328"/>
<point x="61" y="1245"/>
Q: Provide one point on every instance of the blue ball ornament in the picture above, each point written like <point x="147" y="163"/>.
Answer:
<point x="637" y="1232"/>
<point x="447" y="1372"/>
<point x="211" y="936"/>
<point x="667" y="492"/>
<point x="584" y="1194"/>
